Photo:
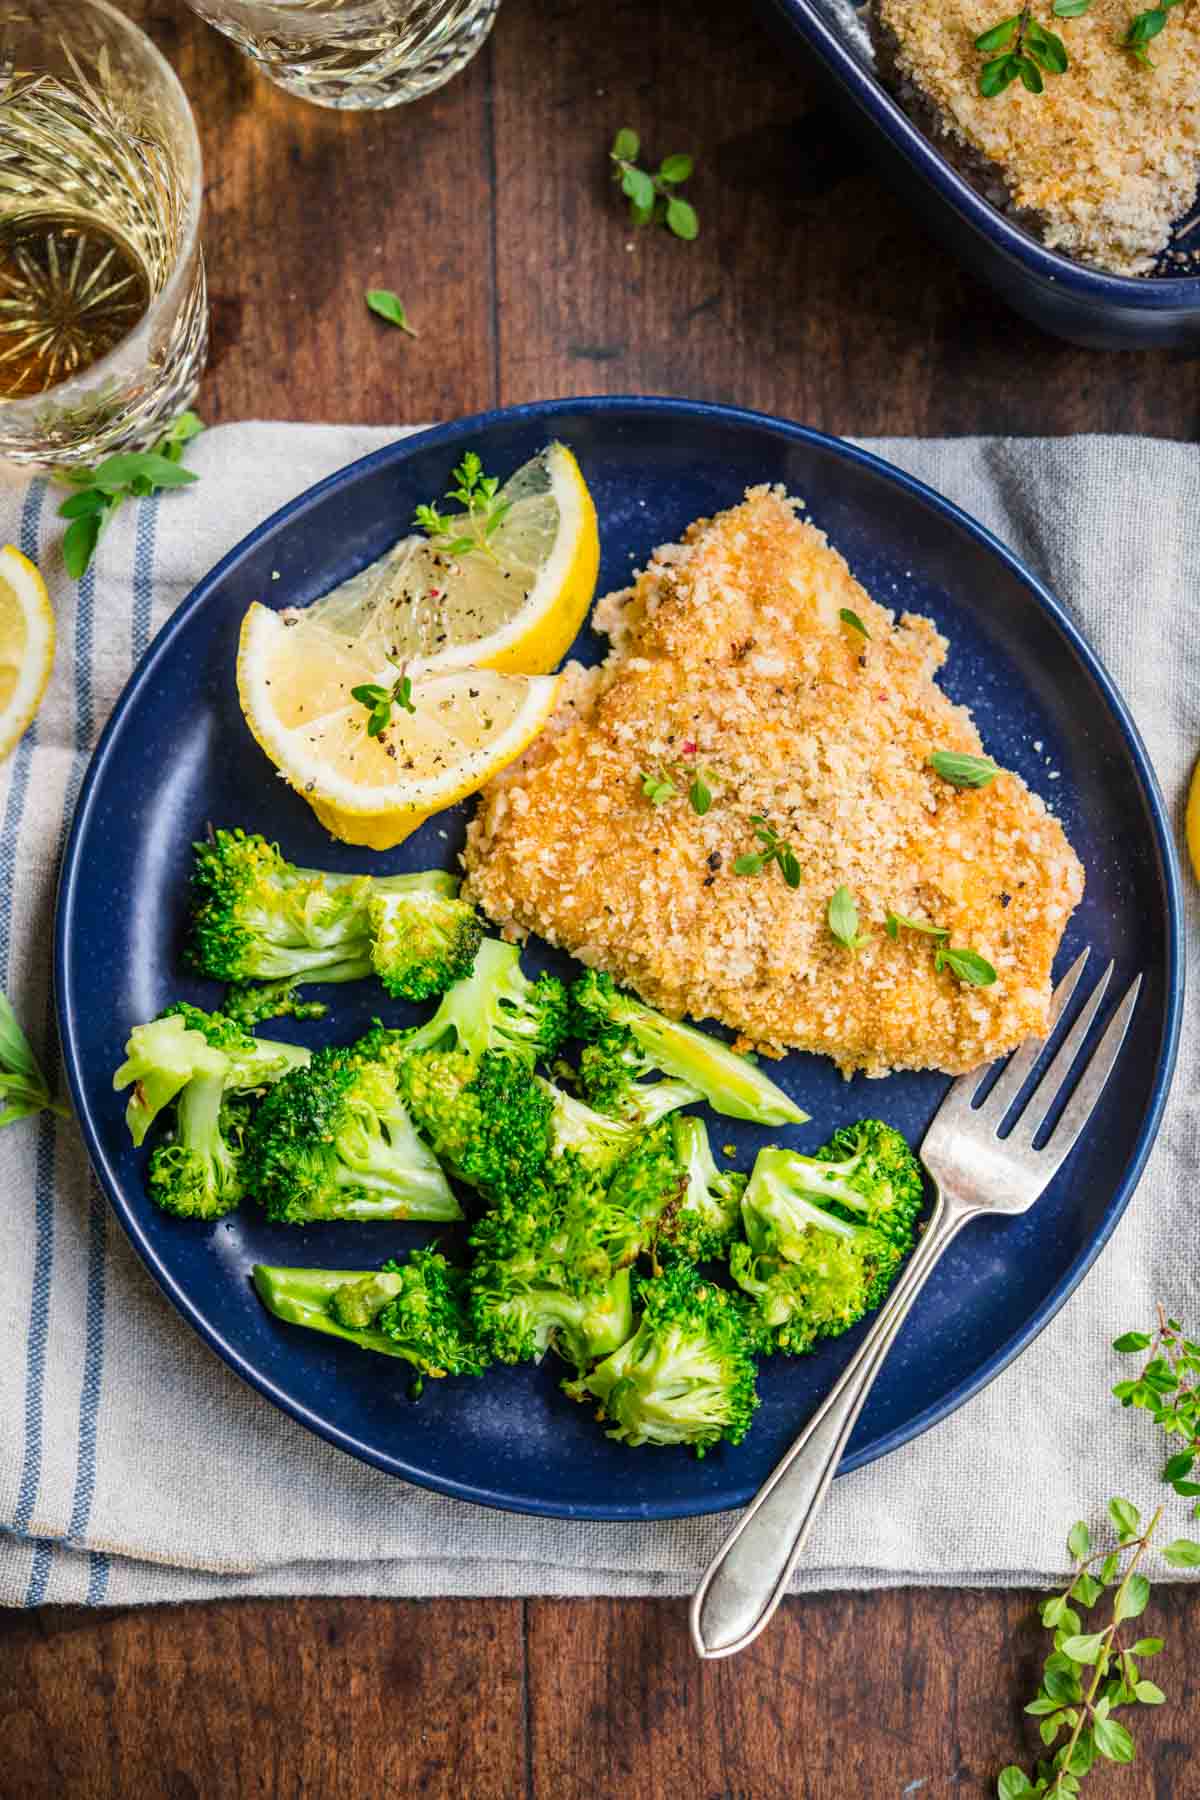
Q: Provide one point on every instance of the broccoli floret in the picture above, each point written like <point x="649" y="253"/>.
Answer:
<point x="686" y="1375"/>
<point x="254" y="1062"/>
<point x="413" y="1309"/>
<point x="867" y="1171"/>
<point x="600" y="1140"/>
<point x="467" y="1074"/>
<point x="609" y="1074"/>
<point x="647" y="1183"/>
<point x="160" y="1059"/>
<point x="422" y="943"/>
<point x="251" y="1002"/>
<point x="204" y="1062"/>
<point x="731" y="1084"/>
<point x="518" y="1313"/>
<point x="334" y="1141"/>
<point x="497" y="1007"/>
<point x="257" y="917"/>
<point x="488" y="1121"/>
<point x="704" y="1214"/>
<point x="197" y="1175"/>
<point x="798" y="1303"/>
<point x="550" y="1268"/>
<point x="836" y="1269"/>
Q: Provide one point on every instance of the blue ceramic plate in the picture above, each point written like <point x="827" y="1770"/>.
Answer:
<point x="177" y="754"/>
<point x="1083" y="304"/>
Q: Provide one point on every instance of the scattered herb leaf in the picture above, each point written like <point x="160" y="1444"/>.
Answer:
<point x="968" y="965"/>
<point x="652" y="198"/>
<point x="132" y="474"/>
<point x="1144" y="26"/>
<point x="658" y="788"/>
<point x="389" y="306"/>
<point x="963" y="770"/>
<point x="700" y="794"/>
<point x="842" y="917"/>
<point x="895" y="921"/>
<point x="853" y="621"/>
<point x="773" y="850"/>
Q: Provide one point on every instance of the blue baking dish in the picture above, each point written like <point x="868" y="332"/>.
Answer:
<point x="1081" y="304"/>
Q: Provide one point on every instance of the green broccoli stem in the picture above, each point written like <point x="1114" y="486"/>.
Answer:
<point x="730" y="1082"/>
<point x="303" y="1296"/>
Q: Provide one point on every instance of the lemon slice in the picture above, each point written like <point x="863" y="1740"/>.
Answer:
<point x="466" y="724"/>
<point x="1192" y="821"/>
<point x="26" y="644"/>
<point x="514" y="603"/>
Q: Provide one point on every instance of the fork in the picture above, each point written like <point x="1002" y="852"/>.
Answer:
<point x="974" y="1171"/>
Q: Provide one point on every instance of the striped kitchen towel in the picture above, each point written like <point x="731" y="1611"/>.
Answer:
<point x="135" y="1467"/>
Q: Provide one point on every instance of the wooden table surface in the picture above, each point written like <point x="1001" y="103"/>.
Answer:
<point x="810" y="292"/>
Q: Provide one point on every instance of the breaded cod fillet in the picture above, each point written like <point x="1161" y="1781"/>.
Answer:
<point x="730" y="656"/>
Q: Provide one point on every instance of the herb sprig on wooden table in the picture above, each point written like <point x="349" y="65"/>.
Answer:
<point x="654" y="198"/>
<point x="1089" y="1674"/>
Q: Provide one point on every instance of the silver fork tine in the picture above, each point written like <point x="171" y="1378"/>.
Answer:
<point x="1022" y="1062"/>
<point x="1046" y="1092"/>
<point x="1079" y="1107"/>
<point x="960" y="1095"/>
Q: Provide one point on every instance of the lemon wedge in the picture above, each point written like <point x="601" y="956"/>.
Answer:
<point x="463" y="727"/>
<point x="26" y="644"/>
<point x="1192" y="821"/>
<point x="514" y="601"/>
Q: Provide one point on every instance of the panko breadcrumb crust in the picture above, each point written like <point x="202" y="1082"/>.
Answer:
<point x="1106" y="158"/>
<point x="729" y="654"/>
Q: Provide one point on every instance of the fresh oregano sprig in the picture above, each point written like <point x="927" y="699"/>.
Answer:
<point x="653" y="198"/>
<point x="774" y="850"/>
<point x="663" y="783"/>
<point x="23" y="1087"/>
<point x="1168" y="1388"/>
<point x="1018" y="47"/>
<point x="968" y="965"/>
<point x="1143" y="27"/>
<point x="455" y="534"/>
<point x="1089" y="1675"/>
<point x="379" y="702"/>
<point x="132" y="474"/>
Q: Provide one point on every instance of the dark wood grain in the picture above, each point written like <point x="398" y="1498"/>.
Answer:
<point x="325" y="1698"/>
<point x="912" y="1695"/>
<point x="810" y="292"/>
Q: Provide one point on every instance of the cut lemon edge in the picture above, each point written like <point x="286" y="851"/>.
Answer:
<point x="1192" y="821"/>
<point x="377" y="791"/>
<point x="27" y="640"/>
<point x="540" y="633"/>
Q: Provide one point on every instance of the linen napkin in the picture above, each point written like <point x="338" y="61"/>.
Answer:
<point x="135" y="1467"/>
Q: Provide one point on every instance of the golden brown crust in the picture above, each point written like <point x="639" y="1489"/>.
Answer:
<point x="734" y="644"/>
<point x="1106" y="158"/>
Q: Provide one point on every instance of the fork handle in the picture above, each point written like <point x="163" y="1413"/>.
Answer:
<point x="746" y="1580"/>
